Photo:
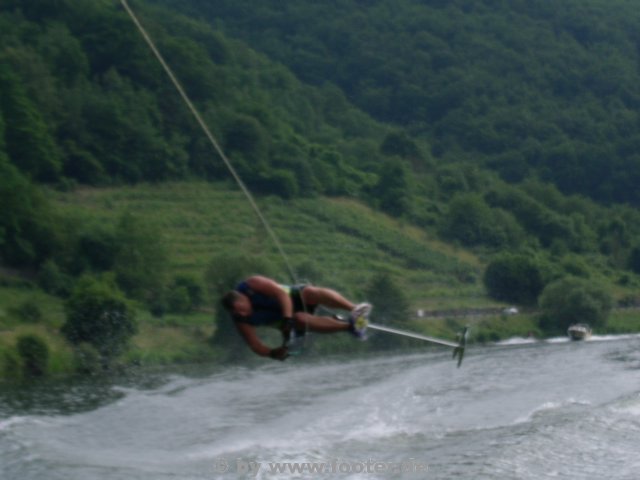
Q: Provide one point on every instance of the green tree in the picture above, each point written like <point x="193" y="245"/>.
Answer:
<point x="399" y="144"/>
<point x="63" y="51"/>
<point x="34" y="353"/>
<point x="514" y="278"/>
<point x="572" y="300"/>
<point x="178" y="300"/>
<point x="391" y="301"/>
<point x="393" y="192"/>
<point x="27" y="234"/>
<point x="246" y="135"/>
<point x="29" y="143"/>
<point x="96" y="247"/>
<point x="125" y="133"/>
<point x="391" y="306"/>
<point x="12" y="364"/>
<point x="472" y="222"/>
<point x="451" y="180"/>
<point x="53" y="280"/>
<point x="276" y="182"/>
<point x="538" y="220"/>
<point x="98" y="314"/>
<point x="193" y="66"/>
<point x="615" y="239"/>
<point x="184" y="294"/>
<point x="468" y="220"/>
<point x="141" y="258"/>
<point x="82" y="165"/>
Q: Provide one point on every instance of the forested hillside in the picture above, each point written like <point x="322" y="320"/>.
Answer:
<point x="535" y="92"/>
<point x="546" y="89"/>
<point x="507" y="129"/>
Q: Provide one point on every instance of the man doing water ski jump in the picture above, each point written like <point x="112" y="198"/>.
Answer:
<point x="259" y="301"/>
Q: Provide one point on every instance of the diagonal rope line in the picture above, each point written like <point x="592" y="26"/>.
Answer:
<point x="210" y="136"/>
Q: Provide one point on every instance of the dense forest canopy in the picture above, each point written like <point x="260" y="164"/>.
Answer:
<point x="79" y="83"/>
<point x="526" y="88"/>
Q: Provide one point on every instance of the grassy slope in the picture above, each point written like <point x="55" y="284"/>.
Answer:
<point x="345" y="241"/>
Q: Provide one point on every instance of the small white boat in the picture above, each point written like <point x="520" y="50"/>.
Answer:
<point x="579" y="331"/>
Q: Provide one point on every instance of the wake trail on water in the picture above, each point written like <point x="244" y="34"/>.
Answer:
<point x="506" y="412"/>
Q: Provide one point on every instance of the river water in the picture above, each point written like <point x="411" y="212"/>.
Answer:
<point x="531" y="411"/>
